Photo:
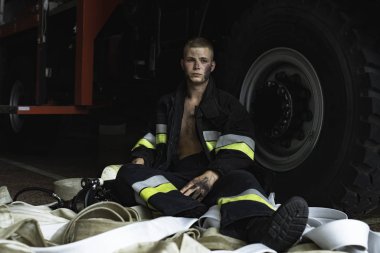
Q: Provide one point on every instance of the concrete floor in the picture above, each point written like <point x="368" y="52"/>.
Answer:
<point x="80" y="154"/>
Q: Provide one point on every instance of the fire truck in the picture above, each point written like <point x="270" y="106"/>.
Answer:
<point x="308" y="72"/>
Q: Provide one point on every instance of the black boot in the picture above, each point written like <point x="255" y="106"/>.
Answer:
<point x="281" y="230"/>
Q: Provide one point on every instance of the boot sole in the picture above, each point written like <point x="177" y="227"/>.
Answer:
<point x="287" y="224"/>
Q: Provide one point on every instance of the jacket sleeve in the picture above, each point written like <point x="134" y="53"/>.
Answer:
<point x="235" y="146"/>
<point x="145" y="148"/>
<point x="156" y="136"/>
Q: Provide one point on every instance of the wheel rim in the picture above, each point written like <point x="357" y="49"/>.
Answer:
<point x="283" y="93"/>
<point x="16" y="96"/>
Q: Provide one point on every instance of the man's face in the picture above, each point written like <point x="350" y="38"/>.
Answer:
<point x="197" y="64"/>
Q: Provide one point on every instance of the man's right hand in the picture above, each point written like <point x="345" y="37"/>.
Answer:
<point x="200" y="186"/>
<point x="138" y="160"/>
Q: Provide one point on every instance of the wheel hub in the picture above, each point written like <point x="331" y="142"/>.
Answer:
<point x="15" y="99"/>
<point x="276" y="119"/>
<point x="283" y="93"/>
<point x="287" y="109"/>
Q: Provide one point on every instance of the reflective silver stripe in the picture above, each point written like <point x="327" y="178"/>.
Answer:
<point x="151" y="138"/>
<point x="150" y="182"/>
<point x="228" y="139"/>
<point x="253" y="192"/>
<point x="161" y="128"/>
<point x="211" y="135"/>
<point x="148" y="141"/>
<point x="139" y="200"/>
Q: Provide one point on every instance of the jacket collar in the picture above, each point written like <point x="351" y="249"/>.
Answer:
<point x="208" y="104"/>
<point x="209" y="92"/>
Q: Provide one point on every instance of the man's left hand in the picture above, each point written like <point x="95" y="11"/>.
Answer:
<point x="200" y="186"/>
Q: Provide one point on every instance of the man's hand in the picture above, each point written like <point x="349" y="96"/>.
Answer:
<point x="138" y="160"/>
<point x="200" y="186"/>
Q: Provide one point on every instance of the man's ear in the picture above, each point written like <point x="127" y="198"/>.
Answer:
<point x="181" y="62"/>
<point x="213" y="64"/>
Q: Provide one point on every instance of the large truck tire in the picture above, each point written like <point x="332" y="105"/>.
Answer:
<point x="311" y="84"/>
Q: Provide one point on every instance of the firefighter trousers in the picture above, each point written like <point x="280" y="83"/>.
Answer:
<point x="238" y="193"/>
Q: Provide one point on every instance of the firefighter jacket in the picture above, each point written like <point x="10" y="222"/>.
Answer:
<point x="223" y="125"/>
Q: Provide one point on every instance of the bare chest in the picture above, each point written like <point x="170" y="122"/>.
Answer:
<point x="188" y="127"/>
<point x="188" y="142"/>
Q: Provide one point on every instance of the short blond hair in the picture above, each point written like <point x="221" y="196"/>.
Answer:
<point x="199" y="42"/>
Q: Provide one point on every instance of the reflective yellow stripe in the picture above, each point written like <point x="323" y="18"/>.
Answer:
<point x="145" y="143"/>
<point x="242" y="147"/>
<point x="161" y="138"/>
<point x="228" y="139"/>
<point x="148" y="192"/>
<point x="251" y="197"/>
<point x="210" y="145"/>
